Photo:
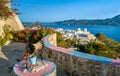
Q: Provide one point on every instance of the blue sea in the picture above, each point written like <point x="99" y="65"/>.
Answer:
<point x="110" y="31"/>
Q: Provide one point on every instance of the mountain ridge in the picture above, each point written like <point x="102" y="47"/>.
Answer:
<point x="108" y="21"/>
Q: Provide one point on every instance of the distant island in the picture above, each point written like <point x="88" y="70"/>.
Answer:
<point x="109" y="21"/>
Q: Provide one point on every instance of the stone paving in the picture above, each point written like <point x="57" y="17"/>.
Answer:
<point x="8" y="57"/>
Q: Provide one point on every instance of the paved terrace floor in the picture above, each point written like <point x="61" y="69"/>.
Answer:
<point x="10" y="54"/>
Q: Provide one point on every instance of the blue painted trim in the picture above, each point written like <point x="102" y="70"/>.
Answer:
<point x="48" y="44"/>
<point x="92" y="57"/>
<point x="47" y="36"/>
<point x="96" y="58"/>
<point x="14" y="70"/>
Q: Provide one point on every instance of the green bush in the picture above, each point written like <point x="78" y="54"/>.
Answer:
<point x="97" y="49"/>
<point x="2" y="41"/>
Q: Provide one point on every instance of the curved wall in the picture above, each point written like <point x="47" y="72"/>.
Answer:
<point x="75" y="63"/>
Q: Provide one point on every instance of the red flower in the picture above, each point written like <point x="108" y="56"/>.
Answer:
<point x="23" y="41"/>
<point x="26" y="56"/>
<point x="41" y="49"/>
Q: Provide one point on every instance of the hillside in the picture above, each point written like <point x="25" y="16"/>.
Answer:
<point x="108" y="21"/>
<point x="108" y="48"/>
<point x="113" y="45"/>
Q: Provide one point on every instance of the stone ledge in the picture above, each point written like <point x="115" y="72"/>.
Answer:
<point x="96" y="58"/>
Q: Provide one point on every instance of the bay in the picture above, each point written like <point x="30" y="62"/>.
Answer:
<point x="110" y="31"/>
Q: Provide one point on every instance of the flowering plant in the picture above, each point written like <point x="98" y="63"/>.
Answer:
<point x="34" y="46"/>
<point x="32" y="50"/>
<point x="34" y="35"/>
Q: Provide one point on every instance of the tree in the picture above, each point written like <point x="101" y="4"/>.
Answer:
<point x="5" y="11"/>
<point x="61" y="41"/>
<point x="97" y="49"/>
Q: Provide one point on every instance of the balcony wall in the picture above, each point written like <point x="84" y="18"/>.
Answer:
<point x="75" y="63"/>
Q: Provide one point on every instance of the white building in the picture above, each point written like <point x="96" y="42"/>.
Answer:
<point x="83" y="35"/>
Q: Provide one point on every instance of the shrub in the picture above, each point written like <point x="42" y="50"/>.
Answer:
<point x="97" y="49"/>
<point x="2" y="41"/>
<point x="31" y="35"/>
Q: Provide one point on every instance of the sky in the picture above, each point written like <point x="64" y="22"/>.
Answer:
<point x="59" y="10"/>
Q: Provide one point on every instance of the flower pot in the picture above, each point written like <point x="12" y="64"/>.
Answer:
<point x="33" y="60"/>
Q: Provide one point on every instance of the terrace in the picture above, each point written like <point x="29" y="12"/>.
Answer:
<point x="68" y="62"/>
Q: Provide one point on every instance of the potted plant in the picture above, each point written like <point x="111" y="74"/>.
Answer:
<point x="32" y="50"/>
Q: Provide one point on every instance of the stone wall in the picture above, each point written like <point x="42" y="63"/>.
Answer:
<point x="75" y="63"/>
<point x="53" y="39"/>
